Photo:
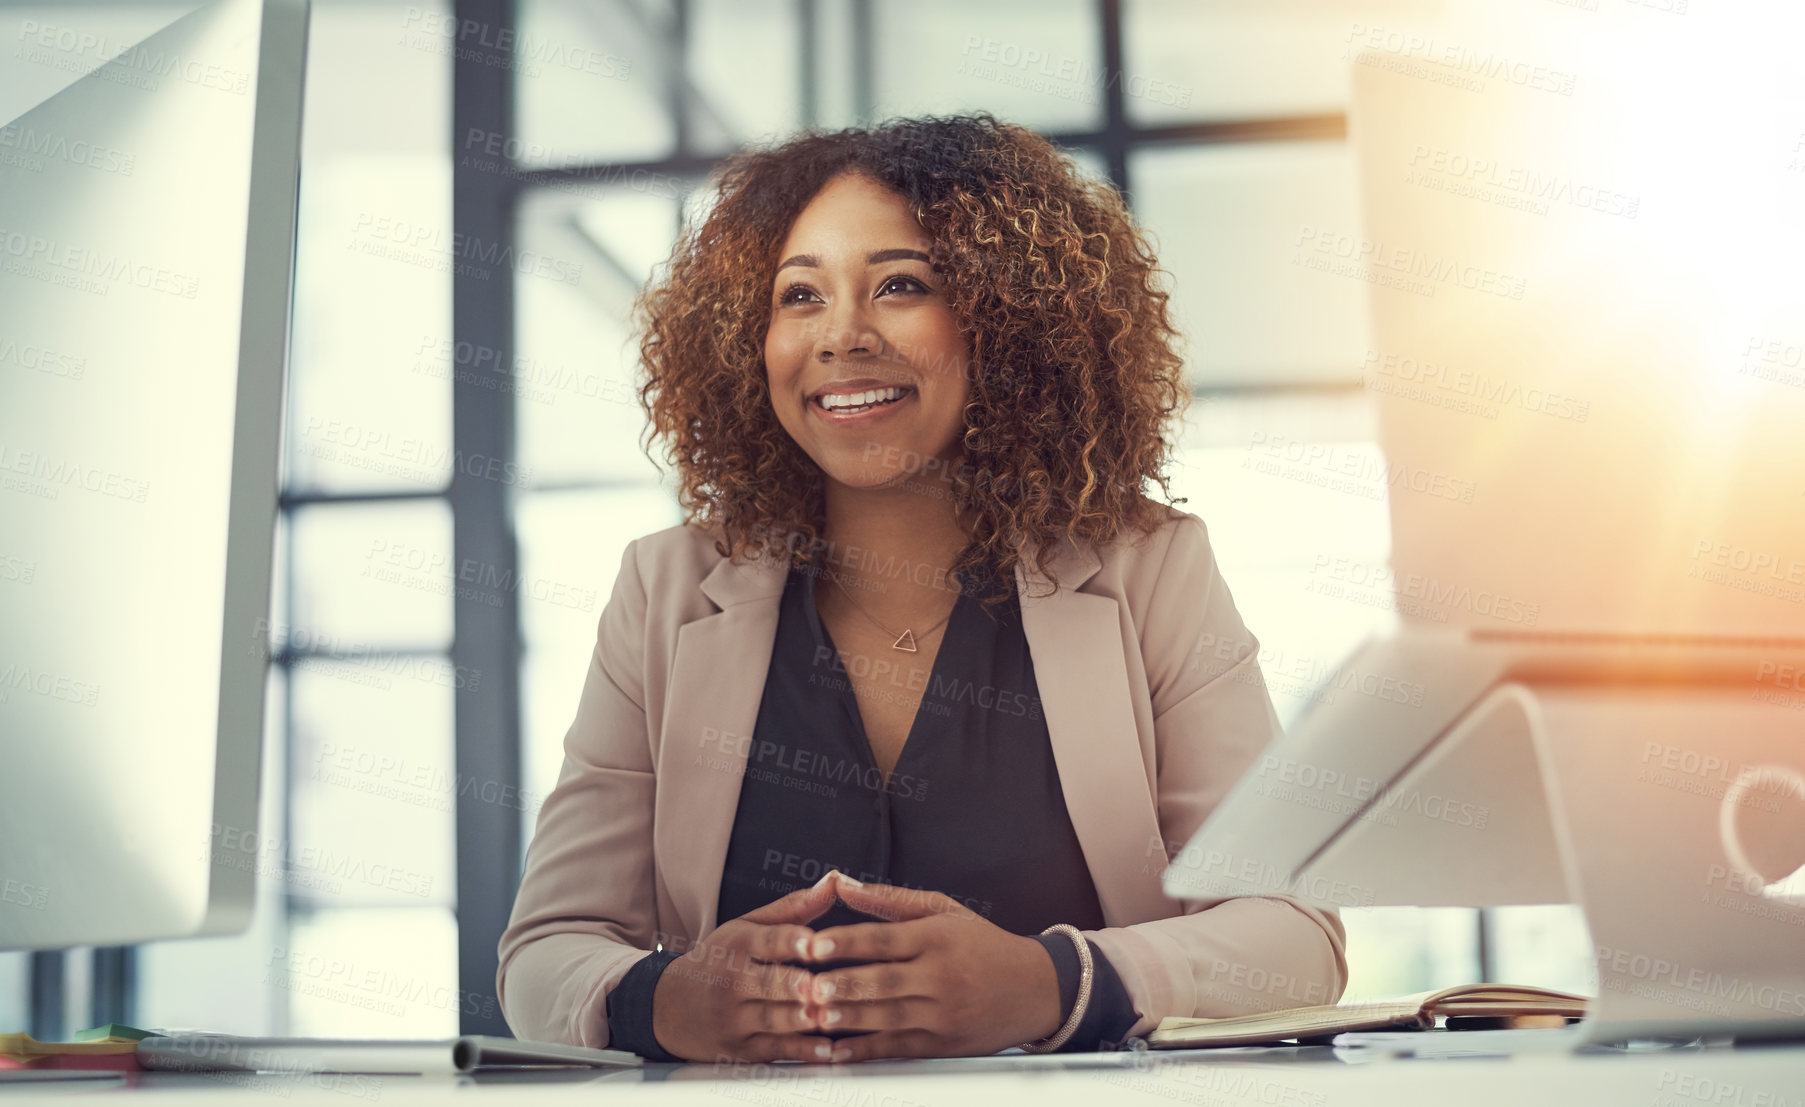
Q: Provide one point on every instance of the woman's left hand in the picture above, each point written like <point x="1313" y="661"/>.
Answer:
<point x="945" y="981"/>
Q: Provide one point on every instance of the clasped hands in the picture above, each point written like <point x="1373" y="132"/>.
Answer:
<point x="943" y="982"/>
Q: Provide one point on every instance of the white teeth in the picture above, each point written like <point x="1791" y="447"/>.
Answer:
<point x="856" y="400"/>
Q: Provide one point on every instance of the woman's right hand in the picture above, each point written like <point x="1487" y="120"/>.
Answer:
<point x="731" y="997"/>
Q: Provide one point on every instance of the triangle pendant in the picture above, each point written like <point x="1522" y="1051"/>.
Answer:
<point x="905" y="642"/>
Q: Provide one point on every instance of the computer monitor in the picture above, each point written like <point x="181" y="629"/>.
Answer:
<point x="1598" y="563"/>
<point x="147" y="230"/>
<point x="1591" y="481"/>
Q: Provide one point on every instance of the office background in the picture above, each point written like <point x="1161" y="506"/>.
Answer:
<point x="485" y="187"/>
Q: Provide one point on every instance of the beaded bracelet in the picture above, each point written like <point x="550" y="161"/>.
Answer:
<point x="1048" y="1045"/>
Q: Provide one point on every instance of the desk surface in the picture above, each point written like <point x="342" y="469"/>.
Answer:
<point x="1295" y="1077"/>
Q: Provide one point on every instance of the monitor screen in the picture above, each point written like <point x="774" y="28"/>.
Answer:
<point x="146" y="257"/>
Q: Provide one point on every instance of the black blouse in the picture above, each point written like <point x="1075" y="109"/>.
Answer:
<point x="973" y="807"/>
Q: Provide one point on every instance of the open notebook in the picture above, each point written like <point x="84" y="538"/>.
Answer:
<point x="1409" y="1012"/>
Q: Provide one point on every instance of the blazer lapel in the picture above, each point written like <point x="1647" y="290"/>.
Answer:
<point x="711" y="705"/>
<point x="1075" y="639"/>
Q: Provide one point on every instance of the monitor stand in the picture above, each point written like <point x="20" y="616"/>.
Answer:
<point x="1674" y="814"/>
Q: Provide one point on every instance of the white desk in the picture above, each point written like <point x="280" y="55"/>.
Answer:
<point x="1677" y="1077"/>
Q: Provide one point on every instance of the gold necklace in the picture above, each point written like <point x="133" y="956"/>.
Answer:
<point x="904" y="641"/>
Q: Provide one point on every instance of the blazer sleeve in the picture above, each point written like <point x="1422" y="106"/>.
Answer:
<point x="1212" y="716"/>
<point x="585" y="912"/>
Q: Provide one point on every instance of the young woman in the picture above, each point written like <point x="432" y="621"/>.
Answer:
<point x="882" y="752"/>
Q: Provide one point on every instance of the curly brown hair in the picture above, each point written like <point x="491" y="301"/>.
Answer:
<point x="1074" y="373"/>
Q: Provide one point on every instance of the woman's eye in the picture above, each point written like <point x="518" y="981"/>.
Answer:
<point x="795" y="294"/>
<point x="901" y="284"/>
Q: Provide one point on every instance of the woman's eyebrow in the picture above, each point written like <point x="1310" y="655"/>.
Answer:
<point x="882" y="256"/>
<point x="876" y="258"/>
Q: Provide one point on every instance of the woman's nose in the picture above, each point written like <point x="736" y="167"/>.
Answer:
<point x="847" y="333"/>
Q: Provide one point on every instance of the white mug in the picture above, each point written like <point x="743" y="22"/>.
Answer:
<point x="1790" y="889"/>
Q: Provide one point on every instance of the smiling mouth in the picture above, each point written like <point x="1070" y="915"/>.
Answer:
<point x="851" y="403"/>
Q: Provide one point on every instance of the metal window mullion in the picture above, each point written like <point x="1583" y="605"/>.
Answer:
<point x="677" y="91"/>
<point x="808" y="50"/>
<point x="485" y="639"/>
<point x="1115" y="139"/>
<point x="49" y="1004"/>
<point x="1128" y="139"/>
<point x="288" y="658"/>
<point x="306" y="498"/>
<point x="864" y="63"/>
<point x="113" y="989"/>
<point x="1485" y="936"/>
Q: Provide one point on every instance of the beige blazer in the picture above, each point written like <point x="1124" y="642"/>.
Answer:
<point x="1150" y="727"/>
